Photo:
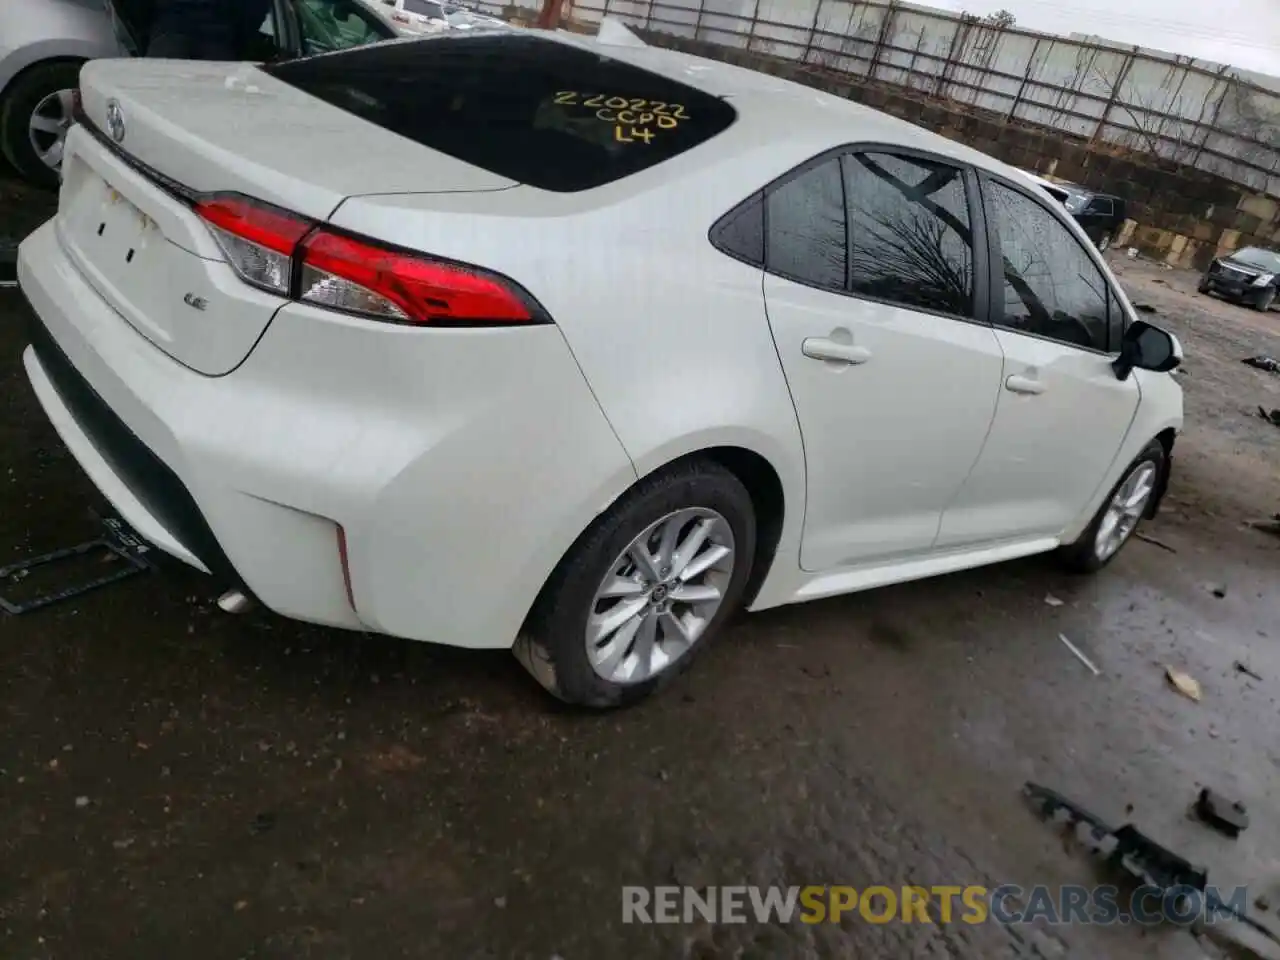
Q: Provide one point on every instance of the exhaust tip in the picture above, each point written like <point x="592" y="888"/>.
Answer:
<point x="234" y="601"/>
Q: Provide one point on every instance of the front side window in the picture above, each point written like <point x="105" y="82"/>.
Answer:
<point x="1052" y="287"/>
<point x="328" y="25"/>
<point x="806" y="227"/>
<point x="910" y="232"/>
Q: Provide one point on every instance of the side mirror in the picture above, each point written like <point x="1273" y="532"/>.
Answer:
<point x="1147" y="347"/>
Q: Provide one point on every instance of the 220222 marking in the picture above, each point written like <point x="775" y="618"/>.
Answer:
<point x="596" y="101"/>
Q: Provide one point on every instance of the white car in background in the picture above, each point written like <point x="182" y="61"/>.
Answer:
<point x="551" y="378"/>
<point x="419" y="16"/>
<point x="43" y="44"/>
<point x="464" y="18"/>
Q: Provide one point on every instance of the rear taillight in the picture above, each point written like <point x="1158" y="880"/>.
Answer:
<point x="278" y="251"/>
<point x="259" y="240"/>
<point x="353" y="275"/>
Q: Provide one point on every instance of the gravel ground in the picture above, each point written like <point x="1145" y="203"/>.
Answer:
<point x="178" y="782"/>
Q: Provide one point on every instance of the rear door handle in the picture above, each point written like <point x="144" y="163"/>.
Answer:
<point x="1020" y="384"/>
<point x="820" y="348"/>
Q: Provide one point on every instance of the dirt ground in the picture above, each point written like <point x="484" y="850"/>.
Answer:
<point x="176" y="782"/>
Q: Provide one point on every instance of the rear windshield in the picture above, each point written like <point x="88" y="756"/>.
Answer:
<point x="536" y="111"/>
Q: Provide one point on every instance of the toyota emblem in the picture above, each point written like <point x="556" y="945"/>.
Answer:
<point x="115" y="121"/>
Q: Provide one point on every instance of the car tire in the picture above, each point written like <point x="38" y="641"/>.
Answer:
<point x="1104" y="243"/>
<point x="1265" y="300"/>
<point x="1120" y="514"/>
<point x="600" y="576"/>
<point x="1203" y="287"/>
<point x="31" y="89"/>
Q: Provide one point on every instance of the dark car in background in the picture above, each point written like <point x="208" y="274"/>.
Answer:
<point x="1248" y="276"/>
<point x="1101" y="214"/>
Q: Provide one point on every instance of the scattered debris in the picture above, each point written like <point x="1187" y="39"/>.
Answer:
<point x="1226" y="816"/>
<point x="1051" y="600"/>
<point x="118" y="543"/>
<point x="1078" y="654"/>
<point x="1220" y="592"/>
<point x="1144" y="308"/>
<point x="123" y="844"/>
<point x="81" y="802"/>
<point x="1269" y="364"/>
<point x="1271" y="526"/>
<point x="1145" y="538"/>
<point x="1126" y="848"/>
<point x="1272" y="417"/>
<point x="1184" y="683"/>
<point x="1262" y="902"/>
<point x="240" y="905"/>
<point x="500" y="902"/>
<point x="1245" y="669"/>
<point x="262" y="822"/>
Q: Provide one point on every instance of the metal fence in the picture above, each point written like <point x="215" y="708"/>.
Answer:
<point x="1205" y="116"/>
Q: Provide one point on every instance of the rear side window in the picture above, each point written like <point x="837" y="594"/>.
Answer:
<point x="909" y="232"/>
<point x="807" y="231"/>
<point x="741" y="233"/>
<point x="536" y="111"/>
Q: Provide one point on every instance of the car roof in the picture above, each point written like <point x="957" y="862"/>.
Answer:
<point x="767" y="104"/>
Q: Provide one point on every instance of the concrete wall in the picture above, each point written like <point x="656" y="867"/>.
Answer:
<point x="1182" y="214"/>
<point x="1202" y="114"/>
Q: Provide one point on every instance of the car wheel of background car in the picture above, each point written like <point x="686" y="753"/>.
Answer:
<point x="35" y="117"/>
<point x="644" y="588"/>
<point x="1120" y="515"/>
<point x="1104" y="243"/>
<point x="1203" y="286"/>
<point x="1266" y="299"/>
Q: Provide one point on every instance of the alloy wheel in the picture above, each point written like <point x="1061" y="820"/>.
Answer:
<point x="1125" y="510"/>
<point x="47" y="129"/>
<point x="659" y="595"/>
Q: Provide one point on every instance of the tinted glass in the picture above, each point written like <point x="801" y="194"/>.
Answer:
<point x="806" y="227"/>
<point x="742" y="234"/>
<point x="1051" y="286"/>
<point x="910" y="234"/>
<point x="1101" y="205"/>
<point x="534" y="110"/>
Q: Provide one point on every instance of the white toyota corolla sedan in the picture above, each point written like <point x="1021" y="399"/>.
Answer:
<point x="522" y="341"/>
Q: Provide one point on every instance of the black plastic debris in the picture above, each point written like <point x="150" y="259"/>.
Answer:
<point x="1269" y="364"/>
<point x="1225" y="816"/>
<point x="1127" y="849"/>
<point x="1144" y="308"/>
<point x="117" y="543"/>
<point x="1271" y="416"/>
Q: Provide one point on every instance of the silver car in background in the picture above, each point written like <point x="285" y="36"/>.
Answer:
<point x="43" y="44"/>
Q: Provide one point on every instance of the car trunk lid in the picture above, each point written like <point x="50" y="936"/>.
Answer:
<point x="165" y="133"/>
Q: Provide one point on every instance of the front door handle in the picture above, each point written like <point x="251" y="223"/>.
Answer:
<point x="820" y="348"/>
<point x="1019" y="384"/>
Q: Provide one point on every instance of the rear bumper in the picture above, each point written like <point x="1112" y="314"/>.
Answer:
<point x="459" y="465"/>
